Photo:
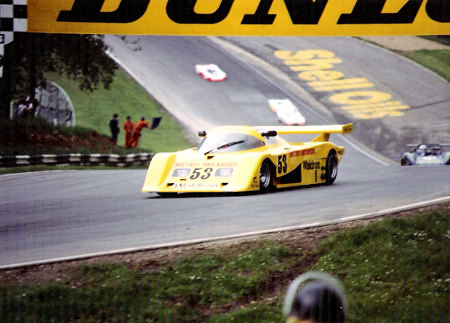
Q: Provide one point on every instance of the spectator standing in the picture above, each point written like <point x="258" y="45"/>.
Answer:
<point x="24" y="107"/>
<point x="137" y="131"/>
<point x="114" y="127"/>
<point x="128" y="127"/>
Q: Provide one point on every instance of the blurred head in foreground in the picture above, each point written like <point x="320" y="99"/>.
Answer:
<point x="314" y="298"/>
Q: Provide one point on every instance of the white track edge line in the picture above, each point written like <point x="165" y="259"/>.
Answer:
<point x="233" y="236"/>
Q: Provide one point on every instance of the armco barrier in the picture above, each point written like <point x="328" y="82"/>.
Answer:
<point x="77" y="159"/>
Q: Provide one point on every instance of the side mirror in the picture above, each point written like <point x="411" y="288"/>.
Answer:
<point x="202" y="133"/>
<point x="270" y="133"/>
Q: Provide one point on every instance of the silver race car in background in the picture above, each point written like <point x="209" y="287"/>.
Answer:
<point x="426" y="154"/>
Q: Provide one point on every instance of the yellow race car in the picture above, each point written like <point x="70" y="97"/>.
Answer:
<point x="244" y="159"/>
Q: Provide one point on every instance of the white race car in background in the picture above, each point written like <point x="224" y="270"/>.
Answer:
<point x="286" y="112"/>
<point x="210" y="72"/>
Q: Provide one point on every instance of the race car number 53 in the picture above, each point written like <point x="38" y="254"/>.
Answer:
<point x="282" y="164"/>
<point x="198" y="173"/>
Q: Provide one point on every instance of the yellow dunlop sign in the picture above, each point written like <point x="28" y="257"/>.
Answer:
<point x="241" y="17"/>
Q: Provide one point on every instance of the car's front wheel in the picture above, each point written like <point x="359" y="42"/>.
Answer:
<point x="405" y="162"/>
<point x="265" y="178"/>
<point x="331" y="167"/>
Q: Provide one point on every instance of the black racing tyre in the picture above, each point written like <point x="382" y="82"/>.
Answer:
<point x="331" y="167"/>
<point x="265" y="178"/>
<point x="405" y="162"/>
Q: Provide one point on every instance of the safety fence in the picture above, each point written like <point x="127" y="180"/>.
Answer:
<point x="77" y="160"/>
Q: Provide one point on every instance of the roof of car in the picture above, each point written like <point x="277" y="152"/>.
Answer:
<point x="239" y="129"/>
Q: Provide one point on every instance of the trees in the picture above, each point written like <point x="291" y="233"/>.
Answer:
<point x="30" y="55"/>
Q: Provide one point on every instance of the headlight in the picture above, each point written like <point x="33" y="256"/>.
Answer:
<point x="224" y="172"/>
<point x="181" y="172"/>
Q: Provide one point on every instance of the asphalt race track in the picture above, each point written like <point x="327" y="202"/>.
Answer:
<point x="64" y="214"/>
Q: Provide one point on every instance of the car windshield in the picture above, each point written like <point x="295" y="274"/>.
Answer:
<point x="228" y="142"/>
<point x="428" y="150"/>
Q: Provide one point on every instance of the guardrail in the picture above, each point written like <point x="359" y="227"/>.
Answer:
<point x="77" y="159"/>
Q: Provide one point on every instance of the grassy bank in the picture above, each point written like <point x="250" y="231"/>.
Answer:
<point x="37" y="136"/>
<point x="125" y="97"/>
<point x="437" y="61"/>
<point x="92" y="114"/>
<point x="395" y="270"/>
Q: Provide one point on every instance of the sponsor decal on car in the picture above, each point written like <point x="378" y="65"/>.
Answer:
<point x="195" y="185"/>
<point x="311" y="165"/>
<point x="304" y="152"/>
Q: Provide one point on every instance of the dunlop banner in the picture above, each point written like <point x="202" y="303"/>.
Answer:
<point x="241" y="17"/>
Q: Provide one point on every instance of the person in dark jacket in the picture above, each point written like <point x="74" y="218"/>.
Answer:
<point x="114" y="127"/>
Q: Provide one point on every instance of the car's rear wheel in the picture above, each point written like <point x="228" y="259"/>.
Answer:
<point x="331" y="167"/>
<point x="265" y="178"/>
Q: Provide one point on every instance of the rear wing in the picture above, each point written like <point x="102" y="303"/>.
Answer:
<point x="324" y="131"/>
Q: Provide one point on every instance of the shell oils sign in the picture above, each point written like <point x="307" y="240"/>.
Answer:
<point x="241" y="17"/>
<point x="356" y="97"/>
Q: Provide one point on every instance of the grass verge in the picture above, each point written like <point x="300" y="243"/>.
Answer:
<point x="437" y="61"/>
<point x="91" y="133"/>
<point x="125" y="97"/>
<point x="394" y="270"/>
<point x="36" y="136"/>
